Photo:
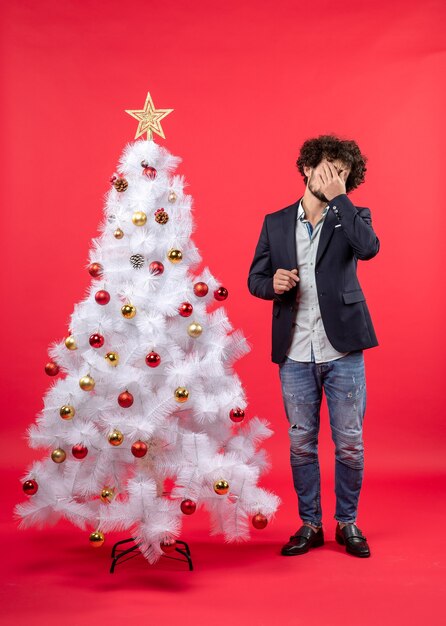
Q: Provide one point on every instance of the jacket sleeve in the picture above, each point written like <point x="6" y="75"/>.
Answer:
<point x="357" y="227"/>
<point x="260" y="278"/>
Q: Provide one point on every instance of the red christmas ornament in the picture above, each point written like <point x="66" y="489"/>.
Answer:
<point x="102" y="297"/>
<point x="30" y="487"/>
<point x="168" y="546"/>
<point x="125" y="399"/>
<point x="150" y="172"/>
<point x="96" y="340"/>
<point x="185" y="309"/>
<point x="237" y="415"/>
<point x="200" y="289"/>
<point x="79" y="451"/>
<point x="156" y="267"/>
<point x="51" y="368"/>
<point x="153" y="359"/>
<point x="259" y="521"/>
<point x="188" y="507"/>
<point x="221" y="293"/>
<point x="95" y="270"/>
<point x="113" y="178"/>
<point x="139" y="449"/>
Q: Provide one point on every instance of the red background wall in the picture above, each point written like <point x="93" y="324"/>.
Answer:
<point x="249" y="82"/>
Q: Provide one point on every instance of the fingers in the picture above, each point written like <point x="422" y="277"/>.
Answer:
<point x="282" y="287"/>
<point x="329" y="170"/>
<point x="285" y="279"/>
<point x="287" y="273"/>
<point x="329" y="174"/>
<point x="332" y="169"/>
<point x="323" y="175"/>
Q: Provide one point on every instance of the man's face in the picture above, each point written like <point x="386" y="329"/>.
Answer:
<point x="314" y="182"/>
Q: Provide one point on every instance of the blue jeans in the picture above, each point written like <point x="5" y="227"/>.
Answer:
<point x="343" y="381"/>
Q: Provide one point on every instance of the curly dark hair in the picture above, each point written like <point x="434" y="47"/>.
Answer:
<point x="332" y="148"/>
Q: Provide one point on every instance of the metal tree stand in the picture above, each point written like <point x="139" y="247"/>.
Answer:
<point x="120" y="555"/>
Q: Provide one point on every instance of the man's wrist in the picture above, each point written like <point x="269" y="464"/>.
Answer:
<point x="337" y="196"/>
<point x="338" y="200"/>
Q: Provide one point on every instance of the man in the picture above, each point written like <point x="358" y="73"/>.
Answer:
<point x="305" y="261"/>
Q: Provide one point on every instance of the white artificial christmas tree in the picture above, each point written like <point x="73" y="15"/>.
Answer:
<point x="147" y="391"/>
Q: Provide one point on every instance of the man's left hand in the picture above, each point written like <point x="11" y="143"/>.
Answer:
<point x="331" y="184"/>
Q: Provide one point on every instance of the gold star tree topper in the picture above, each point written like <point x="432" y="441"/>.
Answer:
<point x="149" y="119"/>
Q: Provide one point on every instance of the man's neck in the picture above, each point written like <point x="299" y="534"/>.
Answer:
<point x="313" y="207"/>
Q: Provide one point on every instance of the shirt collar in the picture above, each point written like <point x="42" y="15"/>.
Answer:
<point x="301" y="212"/>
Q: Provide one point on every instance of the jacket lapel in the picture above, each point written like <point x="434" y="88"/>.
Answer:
<point x="289" y="231"/>
<point x="327" y="229"/>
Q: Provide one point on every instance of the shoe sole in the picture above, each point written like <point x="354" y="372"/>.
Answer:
<point x="341" y="542"/>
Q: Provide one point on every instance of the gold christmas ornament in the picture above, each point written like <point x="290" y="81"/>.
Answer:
<point x="67" y="412"/>
<point x="70" y="343"/>
<point x="149" y="119"/>
<point x="139" y="218"/>
<point x="112" y="358"/>
<point x="107" y="494"/>
<point x="115" y="438"/>
<point x="172" y="197"/>
<point x="174" y="255"/>
<point x="128" y="311"/>
<point x="58" y="455"/>
<point x="96" y="539"/>
<point x="181" y="394"/>
<point x="221" y="487"/>
<point x="118" y="234"/>
<point x="86" y="383"/>
<point x="195" y="329"/>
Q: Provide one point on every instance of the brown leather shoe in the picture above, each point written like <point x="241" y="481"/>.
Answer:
<point x="304" y="539"/>
<point x="352" y="538"/>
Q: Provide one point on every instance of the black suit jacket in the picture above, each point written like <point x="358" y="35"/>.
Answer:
<point x="344" y="311"/>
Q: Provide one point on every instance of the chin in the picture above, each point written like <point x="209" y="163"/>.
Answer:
<point x="319" y="196"/>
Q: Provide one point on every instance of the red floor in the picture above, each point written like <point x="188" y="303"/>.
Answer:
<point x="53" y="576"/>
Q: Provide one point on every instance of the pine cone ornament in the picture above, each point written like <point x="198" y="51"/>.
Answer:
<point x="137" y="261"/>
<point x="120" y="184"/>
<point x="161" y="216"/>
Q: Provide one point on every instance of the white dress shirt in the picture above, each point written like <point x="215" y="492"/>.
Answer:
<point x="309" y="342"/>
